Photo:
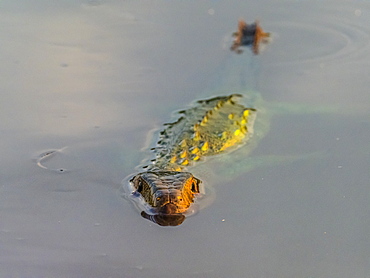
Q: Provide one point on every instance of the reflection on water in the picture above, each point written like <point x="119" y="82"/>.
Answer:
<point x="173" y="219"/>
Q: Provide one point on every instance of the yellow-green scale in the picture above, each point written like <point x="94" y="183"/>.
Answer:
<point x="212" y="126"/>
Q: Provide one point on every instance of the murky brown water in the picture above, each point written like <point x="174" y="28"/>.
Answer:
<point x="93" y="78"/>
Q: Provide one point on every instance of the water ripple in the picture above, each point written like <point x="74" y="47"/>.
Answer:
<point x="323" y="41"/>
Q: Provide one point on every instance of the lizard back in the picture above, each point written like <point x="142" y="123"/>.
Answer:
<point x="210" y="127"/>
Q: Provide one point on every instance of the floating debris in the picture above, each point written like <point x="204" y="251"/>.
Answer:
<point x="46" y="155"/>
<point x="249" y="35"/>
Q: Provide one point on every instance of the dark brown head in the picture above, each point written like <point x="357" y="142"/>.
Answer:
<point x="167" y="194"/>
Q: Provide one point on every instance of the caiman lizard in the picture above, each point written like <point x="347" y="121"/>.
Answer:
<point x="165" y="188"/>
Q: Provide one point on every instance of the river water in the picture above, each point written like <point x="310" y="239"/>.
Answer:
<point x="90" y="80"/>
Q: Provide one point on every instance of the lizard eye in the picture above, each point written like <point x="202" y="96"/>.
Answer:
<point x="140" y="186"/>
<point x="195" y="185"/>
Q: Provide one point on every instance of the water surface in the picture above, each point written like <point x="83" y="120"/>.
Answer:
<point x="93" y="78"/>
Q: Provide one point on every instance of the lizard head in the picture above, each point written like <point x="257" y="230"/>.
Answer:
<point x="166" y="194"/>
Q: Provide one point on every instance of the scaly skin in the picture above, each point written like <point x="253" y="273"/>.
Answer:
<point x="211" y="127"/>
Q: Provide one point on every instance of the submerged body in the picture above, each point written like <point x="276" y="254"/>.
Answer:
<point x="212" y="126"/>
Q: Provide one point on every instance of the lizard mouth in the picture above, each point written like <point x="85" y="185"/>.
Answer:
<point x="165" y="219"/>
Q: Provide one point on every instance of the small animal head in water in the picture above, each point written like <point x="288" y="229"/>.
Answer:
<point x="168" y="194"/>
